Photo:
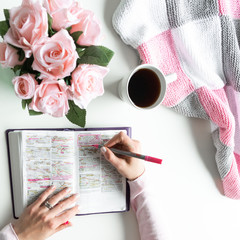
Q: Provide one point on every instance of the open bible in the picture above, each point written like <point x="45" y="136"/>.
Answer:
<point x="65" y="158"/>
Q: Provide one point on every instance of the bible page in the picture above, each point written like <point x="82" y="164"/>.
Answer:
<point x="48" y="159"/>
<point x="101" y="187"/>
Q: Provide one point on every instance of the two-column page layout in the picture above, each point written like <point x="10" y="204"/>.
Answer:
<point x="41" y="158"/>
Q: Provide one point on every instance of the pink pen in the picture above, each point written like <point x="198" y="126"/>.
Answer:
<point x="131" y="154"/>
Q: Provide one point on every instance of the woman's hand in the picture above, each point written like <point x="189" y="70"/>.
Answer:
<point x="38" y="222"/>
<point x="128" y="167"/>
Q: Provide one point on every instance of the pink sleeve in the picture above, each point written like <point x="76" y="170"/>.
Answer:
<point x="148" y="211"/>
<point x="8" y="233"/>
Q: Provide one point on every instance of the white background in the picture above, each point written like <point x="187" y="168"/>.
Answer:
<point x="187" y="183"/>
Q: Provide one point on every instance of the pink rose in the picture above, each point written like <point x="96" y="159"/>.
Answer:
<point x="51" y="97"/>
<point x="28" y="23"/>
<point x="56" y="5"/>
<point x="65" y="16"/>
<point x="9" y="56"/>
<point x="55" y="57"/>
<point x="90" y="27"/>
<point x="87" y="84"/>
<point x="24" y="86"/>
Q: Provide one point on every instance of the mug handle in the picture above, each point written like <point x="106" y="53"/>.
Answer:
<point x="171" y="77"/>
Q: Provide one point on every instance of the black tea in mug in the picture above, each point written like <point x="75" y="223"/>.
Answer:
<point x="144" y="88"/>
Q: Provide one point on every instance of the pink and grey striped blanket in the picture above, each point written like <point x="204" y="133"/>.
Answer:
<point x="199" y="40"/>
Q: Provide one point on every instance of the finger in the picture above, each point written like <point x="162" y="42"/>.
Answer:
<point x="111" y="157"/>
<point x="59" y="196"/>
<point x="63" y="205"/>
<point x="63" y="226"/>
<point x="42" y="198"/>
<point x="120" y="138"/>
<point x="66" y="215"/>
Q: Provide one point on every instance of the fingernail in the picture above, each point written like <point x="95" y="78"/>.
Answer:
<point x="103" y="149"/>
<point x="52" y="187"/>
<point x="66" y="223"/>
<point x="68" y="189"/>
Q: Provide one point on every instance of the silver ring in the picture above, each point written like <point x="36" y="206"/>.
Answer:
<point x="48" y="205"/>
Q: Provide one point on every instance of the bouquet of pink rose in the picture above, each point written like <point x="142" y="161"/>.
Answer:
<point x="53" y="48"/>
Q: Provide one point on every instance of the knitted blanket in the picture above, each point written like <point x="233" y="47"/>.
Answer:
<point x="199" y="40"/>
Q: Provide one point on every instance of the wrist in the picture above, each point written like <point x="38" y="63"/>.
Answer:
<point x="20" y="234"/>
<point x="137" y="176"/>
<point x="15" y="231"/>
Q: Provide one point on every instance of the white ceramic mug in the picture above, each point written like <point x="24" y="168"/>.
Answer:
<point x="123" y="87"/>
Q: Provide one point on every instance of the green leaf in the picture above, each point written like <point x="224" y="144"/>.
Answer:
<point x="80" y="51"/>
<point x="69" y="29"/>
<point x="98" y="55"/>
<point x="76" y="115"/>
<point x="37" y="75"/>
<point x="76" y="36"/>
<point x="51" y="32"/>
<point x="21" y="54"/>
<point x="50" y="20"/>
<point x="7" y="16"/>
<point x="34" y="113"/>
<point x="27" y="66"/>
<point x="3" y="28"/>
<point x="25" y="102"/>
<point x="68" y="80"/>
<point x="16" y="68"/>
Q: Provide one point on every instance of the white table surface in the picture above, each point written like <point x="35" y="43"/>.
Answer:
<point x="187" y="183"/>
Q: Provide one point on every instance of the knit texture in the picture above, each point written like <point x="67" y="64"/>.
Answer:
<point x="199" y="40"/>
